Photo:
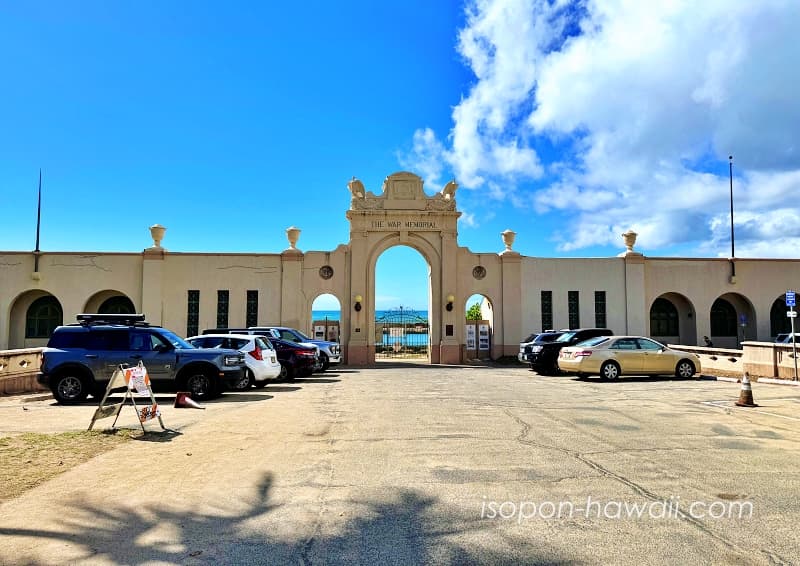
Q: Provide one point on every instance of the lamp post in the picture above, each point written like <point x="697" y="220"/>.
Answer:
<point x="733" y="254"/>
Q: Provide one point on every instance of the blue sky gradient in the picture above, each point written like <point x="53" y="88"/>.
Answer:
<point x="568" y="122"/>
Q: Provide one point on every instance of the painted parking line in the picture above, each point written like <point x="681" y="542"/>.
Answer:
<point x="732" y="405"/>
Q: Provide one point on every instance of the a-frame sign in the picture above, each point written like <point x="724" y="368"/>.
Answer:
<point x="136" y="383"/>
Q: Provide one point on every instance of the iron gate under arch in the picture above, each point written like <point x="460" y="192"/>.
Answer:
<point x="401" y="333"/>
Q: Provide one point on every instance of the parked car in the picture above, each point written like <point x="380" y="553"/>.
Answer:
<point x="80" y="358"/>
<point x="284" y="357"/>
<point x="290" y="335"/>
<point x="329" y="352"/>
<point x="297" y="360"/>
<point x="545" y="359"/>
<point x="534" y="346"/>
<point x="260" y="356"/>
<point x="525" y="342"/>
<point x="613" y="356"/>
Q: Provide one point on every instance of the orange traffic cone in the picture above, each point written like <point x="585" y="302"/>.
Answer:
<point x="183" y="400"/>
<point x="746" y="394"/>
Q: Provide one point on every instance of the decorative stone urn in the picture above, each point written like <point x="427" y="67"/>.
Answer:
<point x="629" y="238"/>
<point x="508" y="238"/>
<point x="157" y="233"/>
<point x="293" y="234"/>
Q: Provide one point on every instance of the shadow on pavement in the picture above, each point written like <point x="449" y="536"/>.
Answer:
<point x="633" y="379"/>
<point x="281" y="389"/>
<point x="402" y="527"/>
<point x="315" y="380"/>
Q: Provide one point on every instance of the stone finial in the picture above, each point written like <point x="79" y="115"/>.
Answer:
<point x="293" y="234"/>
<point x="157" y="233"/>
<point x="508" y="238"/>
<point x="629" y="238"/>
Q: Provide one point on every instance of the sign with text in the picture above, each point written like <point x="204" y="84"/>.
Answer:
<point x="470" y="336"/>
<point x="790" y="299"/>
<point x="403" y="225"/>
<point x="483" y="337"/>
<point x="137" y="384"/>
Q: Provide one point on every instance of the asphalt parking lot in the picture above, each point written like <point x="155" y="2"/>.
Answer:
<point x="405" y="464"/>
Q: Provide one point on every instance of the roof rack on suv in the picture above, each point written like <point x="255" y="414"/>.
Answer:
<point x="126" y="319"/>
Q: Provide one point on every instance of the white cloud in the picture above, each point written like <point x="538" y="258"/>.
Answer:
<point x="648" y="97"/>
<point x="468" y="219"/>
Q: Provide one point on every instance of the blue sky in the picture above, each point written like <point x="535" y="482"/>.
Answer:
<point x="568" y="122"/>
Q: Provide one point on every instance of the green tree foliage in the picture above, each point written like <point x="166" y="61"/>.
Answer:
<point x="474" y="312"/>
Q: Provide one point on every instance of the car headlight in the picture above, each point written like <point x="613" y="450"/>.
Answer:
<point x="233" y="360"/>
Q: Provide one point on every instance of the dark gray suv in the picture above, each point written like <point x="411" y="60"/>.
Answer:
<point x="544" y="355"/>
<point x="80" y="358"/>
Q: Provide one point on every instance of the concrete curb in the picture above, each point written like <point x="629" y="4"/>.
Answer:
<point x="769" y="380"/>
<point x="719" y="378"/>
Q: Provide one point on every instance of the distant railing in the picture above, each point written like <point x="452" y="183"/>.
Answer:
<point x="18" y="369"/>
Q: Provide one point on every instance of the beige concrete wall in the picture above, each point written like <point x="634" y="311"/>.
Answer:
<point x="561" y="275"/>
<point x="73" y="278"/>
<point x="209" y="273"/>
<point x="758" y="283"/>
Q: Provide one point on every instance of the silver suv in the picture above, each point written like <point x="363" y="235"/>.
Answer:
<point x="80" y="358"/>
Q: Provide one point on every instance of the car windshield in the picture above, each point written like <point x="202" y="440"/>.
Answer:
<point x="566" y="337"/>
<point x="301" y="335"/>
<point x="175" y="340"/>
<point x="547" y="337"/>
<point x="530" y="338"/>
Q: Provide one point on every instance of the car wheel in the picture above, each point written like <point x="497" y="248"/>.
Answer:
<point x="245" y="382"/>
<point x="200" y="385"/>
<point x="684" y="369"/>
<point x="326" y="363"/>
<point x="70" y="388"/>
<point x="610" y="371"/>
<point x="287" y="373"/>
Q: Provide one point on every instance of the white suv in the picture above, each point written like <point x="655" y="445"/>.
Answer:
<point x="260" y="357"/>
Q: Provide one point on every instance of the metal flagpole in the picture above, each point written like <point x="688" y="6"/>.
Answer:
<point x="38" y="225"/>
<point x="733" y="254"/>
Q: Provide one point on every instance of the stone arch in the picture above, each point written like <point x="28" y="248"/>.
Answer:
<point x="109" y="301"/>
<point x="402" y="214"/>
<point x="672" y="319"/>
<point x="487" y="307"/>
<point x="432" y="259"/>
<point x="19" y="335"/>
<point x="732" y="319"/>
<point x="778" y="321"/>
<point x="324" y="329"/>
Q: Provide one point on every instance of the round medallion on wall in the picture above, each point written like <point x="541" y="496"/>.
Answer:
<point x="326" y="272"/>
<point x="479" y="272"/>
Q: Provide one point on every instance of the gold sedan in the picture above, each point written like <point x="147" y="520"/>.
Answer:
<point x="613" y="356"/>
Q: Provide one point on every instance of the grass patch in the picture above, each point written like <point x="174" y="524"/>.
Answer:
<point x="28" y="460"/>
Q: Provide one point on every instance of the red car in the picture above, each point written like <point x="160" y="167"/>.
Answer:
<point x="296" y="360"/>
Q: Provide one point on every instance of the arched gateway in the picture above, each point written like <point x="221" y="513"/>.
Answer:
<point x="403" y="215"/>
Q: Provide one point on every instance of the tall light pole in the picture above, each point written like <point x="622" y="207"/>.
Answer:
<point x="733" y="254"/>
